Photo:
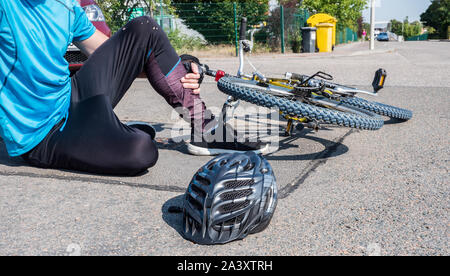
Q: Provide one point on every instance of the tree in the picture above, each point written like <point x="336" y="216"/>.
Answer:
<point x="360" y="26"/>
<point x="214" y="19"/>
<point x="289" y="4"/>
<point x="412" y="29"/>
<point x="118" y="12"/>
<point x="346" y="12"/>
<point x="405" y="28"/>
<point x="274" y="27"/>
<point x="396" y="27"/>
<point x="438" y="16"/>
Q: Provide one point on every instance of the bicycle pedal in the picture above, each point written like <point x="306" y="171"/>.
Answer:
<point x="379" y="80"/>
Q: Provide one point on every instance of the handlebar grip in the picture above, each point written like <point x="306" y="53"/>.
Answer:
<point x="243" y="30"/>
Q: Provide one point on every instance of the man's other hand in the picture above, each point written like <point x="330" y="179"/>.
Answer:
<point x="191" y="80"/>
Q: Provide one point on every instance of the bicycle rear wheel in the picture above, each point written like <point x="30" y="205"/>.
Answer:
<point x="262" y="96"/>
<point x="379" y="108"/>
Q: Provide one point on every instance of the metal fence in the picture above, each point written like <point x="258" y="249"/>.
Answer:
<point x="422" y="37"/>
<point x="345" y="35"/>
<point x="277" y="29"/>
<point x="218" y="23"/>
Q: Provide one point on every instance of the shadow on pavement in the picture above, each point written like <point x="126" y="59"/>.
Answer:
<point x="174" y="220"/>
<point x="288" y="143"/>
<point x="393" y="121"/>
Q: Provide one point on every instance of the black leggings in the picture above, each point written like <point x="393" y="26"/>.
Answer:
<point x="93" y="139"/>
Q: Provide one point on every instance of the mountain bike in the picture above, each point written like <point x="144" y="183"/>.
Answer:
<point x="310" y="101"/>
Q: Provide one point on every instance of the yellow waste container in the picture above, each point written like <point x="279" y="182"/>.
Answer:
<point x="323" y="18"/>
<point x="325" y="37"/>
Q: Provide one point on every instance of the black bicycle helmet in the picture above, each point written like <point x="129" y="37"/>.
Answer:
<point x="230" y="197"/>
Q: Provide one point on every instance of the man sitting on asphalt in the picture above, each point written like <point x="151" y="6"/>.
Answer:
<point x="55" y="121"/>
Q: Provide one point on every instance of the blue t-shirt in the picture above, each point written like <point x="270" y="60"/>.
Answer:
<point x="35" y="86"/>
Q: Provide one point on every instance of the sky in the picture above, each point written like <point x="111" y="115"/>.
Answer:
<point x="397" y="9"/>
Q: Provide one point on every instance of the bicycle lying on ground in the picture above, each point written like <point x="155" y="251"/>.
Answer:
<point x="308" y="100"/>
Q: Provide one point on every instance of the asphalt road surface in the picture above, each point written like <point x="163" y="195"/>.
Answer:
<point x="342" y="191"/>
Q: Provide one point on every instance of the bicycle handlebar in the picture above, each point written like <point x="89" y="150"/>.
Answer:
<point x="243" y="29"/>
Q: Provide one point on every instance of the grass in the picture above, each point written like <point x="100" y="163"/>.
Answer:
<point x="195" y="46"/>
<point x="184" y="44"/>
<point x="224" y="50"/>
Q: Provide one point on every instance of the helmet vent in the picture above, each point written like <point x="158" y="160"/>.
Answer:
<point x="231" y="222"/>
<point x="239" y="183"/>
<point x="235" y="164"/>
<point x="237" y="194"/>
<point x="234" y="221"/>
<point x="203" y="181"/>
<point x="249" y="166"/>
<point x="210" y="166"/>
<point x="194" y="203"/>
<point x="198" y="191"/>
<point x="232" y="207"/>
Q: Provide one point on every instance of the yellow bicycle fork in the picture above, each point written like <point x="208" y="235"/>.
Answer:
<point x="290" y="124"/>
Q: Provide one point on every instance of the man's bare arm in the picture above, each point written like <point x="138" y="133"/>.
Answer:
<point x="91" y="44"/>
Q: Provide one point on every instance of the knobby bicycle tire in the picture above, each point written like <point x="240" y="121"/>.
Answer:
<point x="233" y="87"/>
<point x="379" y="108"/>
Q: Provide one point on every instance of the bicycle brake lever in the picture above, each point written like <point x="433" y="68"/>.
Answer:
<point x="247" y="46"/>
<point x="207" y="71"/>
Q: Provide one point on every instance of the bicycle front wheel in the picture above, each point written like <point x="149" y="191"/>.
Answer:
<point x="262" y="96"/>
<point x="379" y="108"/>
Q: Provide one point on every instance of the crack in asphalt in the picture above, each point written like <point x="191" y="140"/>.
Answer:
<point x="161" y="188"/>
<point x="285" y="191"/>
